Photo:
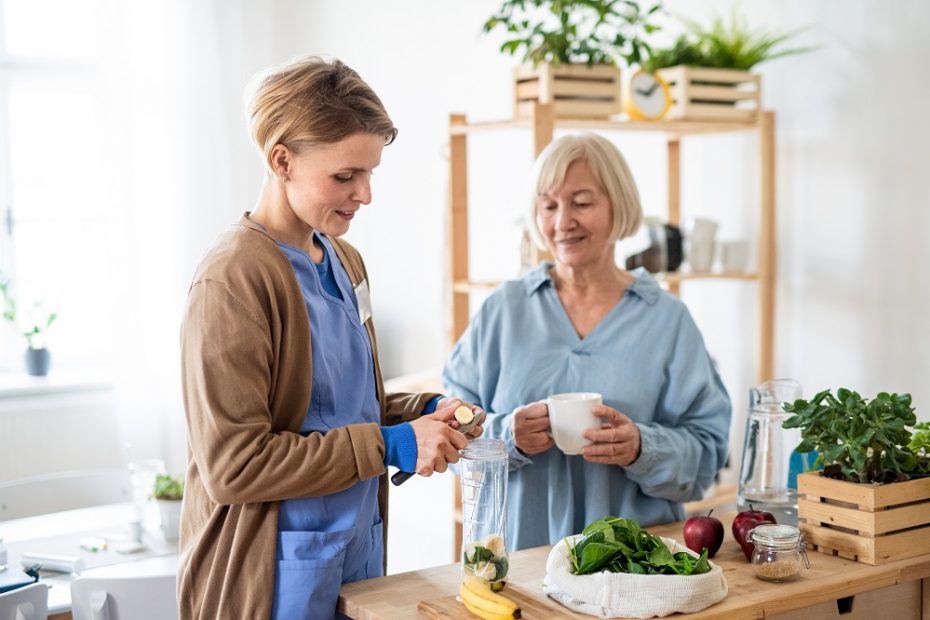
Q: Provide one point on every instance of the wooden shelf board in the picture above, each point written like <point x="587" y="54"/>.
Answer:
<point x="476" y="286"/>
<point x="669" y="127"/>
<point x="716" y="275"/>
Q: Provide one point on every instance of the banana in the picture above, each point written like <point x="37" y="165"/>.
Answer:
<point x="481" y="613"/>
<point x="495" y="544"/>
<point x="480" y="600"/>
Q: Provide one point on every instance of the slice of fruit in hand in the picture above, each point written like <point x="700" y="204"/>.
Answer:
<point x="466" y="417"/>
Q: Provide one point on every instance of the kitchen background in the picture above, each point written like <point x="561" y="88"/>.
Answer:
<point x="126" y="154"/>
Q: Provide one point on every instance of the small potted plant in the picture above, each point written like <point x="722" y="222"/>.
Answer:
<point x="707" y="69"/>
<point x="33" y="325"/>
<point x="570" y="50"/>
<point x="169" y="493"/>
<point x="868" y="502"/>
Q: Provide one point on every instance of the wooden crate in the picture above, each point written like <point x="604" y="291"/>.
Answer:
<point x="576" y="91"/>
<point x="870" y="523"/>
<point x="712" y="94"/>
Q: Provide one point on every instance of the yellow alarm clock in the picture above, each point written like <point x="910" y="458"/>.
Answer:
<point x="648" y="98"/>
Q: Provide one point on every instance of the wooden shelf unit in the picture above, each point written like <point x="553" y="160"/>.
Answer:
<point x="542" y="123"/>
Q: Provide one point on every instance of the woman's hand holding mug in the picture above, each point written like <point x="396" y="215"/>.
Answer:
<point x="531" y="428"/>
<point x="617" y="442"/>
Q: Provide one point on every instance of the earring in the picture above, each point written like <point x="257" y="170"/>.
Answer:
<point x="285" y="179"/>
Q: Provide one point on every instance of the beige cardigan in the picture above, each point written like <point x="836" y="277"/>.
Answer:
<point x="246" y="373"/>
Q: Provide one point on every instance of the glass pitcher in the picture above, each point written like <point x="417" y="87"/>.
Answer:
<point x="768" y="472"/>
<point x="483" y="469"/>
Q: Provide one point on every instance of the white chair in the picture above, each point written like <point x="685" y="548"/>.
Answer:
<point x="38" y="495"/>
<point x="147" y="592"/>
<point x="26" y="603"/>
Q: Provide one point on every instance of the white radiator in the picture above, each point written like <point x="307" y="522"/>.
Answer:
<point x="62" y="430"/>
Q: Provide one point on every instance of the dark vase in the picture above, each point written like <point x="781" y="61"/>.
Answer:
<point x="37" y="362"/>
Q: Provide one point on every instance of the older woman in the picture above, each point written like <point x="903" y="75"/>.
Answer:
<point x="289" y="428"/>
<point x="584" y="324"/>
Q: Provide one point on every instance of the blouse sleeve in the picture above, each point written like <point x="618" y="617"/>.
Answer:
<point x="461" y="377"/>
<point x="685" y="444"/>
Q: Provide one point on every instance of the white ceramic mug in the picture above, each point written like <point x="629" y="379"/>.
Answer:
<point x="734" y="256"/>
<point x="570" y="415"/>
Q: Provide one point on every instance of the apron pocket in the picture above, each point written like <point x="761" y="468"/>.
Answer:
<point x="308" y="573"/>
<point x="376" y="559"/>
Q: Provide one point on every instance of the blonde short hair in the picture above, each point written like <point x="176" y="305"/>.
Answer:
<point x="313" y="101"/>
<point x="609" y="169"/>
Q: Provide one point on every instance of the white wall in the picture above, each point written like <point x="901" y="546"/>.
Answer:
<point x="852" y="161"/>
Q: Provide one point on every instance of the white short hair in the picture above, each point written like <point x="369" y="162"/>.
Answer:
<point x="609" y="169"/>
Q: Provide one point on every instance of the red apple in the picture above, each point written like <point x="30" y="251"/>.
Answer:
<point x="703" y="532"/>
<point x="742" y="534"/>
<point x="752" y="513"/>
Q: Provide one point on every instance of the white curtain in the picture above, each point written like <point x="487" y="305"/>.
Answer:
<point x="181" y="171"/>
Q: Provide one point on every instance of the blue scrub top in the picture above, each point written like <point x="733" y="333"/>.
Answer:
<point x="647" y="359"/>
<point x="326" y="541"/>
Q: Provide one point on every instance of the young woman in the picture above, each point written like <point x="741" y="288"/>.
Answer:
<point x="290" y="430"/>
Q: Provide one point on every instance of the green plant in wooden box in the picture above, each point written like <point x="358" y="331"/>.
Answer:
<point x="589" y="32"/>
<point x="570" y="51"/>
<point x="707" y="69"/>
<point x="856" y="439"/>
<point x="846" y="509"/>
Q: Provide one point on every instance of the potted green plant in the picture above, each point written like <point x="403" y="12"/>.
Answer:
<point x="863" y="446"/>
<point x="33" y="325"/>
<point x="708" y="68"/>
<point x="570" y="51"/>
<point x="169" y="494"/>
<point x="722" y="46"/>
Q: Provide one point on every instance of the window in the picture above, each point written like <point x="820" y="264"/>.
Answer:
<point x="55" y="204"/>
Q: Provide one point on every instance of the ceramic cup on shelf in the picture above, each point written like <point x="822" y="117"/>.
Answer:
<point x="570" y="415"/>
<point x="734" y="256"/>
<point x="699" y="240"/>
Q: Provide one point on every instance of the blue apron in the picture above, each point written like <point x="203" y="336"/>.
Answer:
<point x="326" y="541"/>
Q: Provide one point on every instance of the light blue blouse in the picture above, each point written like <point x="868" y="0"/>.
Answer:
<point x="646" y="358"/>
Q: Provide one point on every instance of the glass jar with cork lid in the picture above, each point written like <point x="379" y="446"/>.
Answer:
<point x="779" y="552"/>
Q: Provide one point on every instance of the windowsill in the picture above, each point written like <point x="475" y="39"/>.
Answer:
<point x="19" y="384"/>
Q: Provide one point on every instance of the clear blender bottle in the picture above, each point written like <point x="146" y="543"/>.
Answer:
<point x="769" y="468"/>
<point x="483" y="470"/>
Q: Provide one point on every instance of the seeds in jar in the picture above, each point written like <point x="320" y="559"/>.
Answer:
<point x="780" y="570"/>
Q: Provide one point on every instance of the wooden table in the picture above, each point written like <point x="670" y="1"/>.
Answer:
<point x="832" y="588"/>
